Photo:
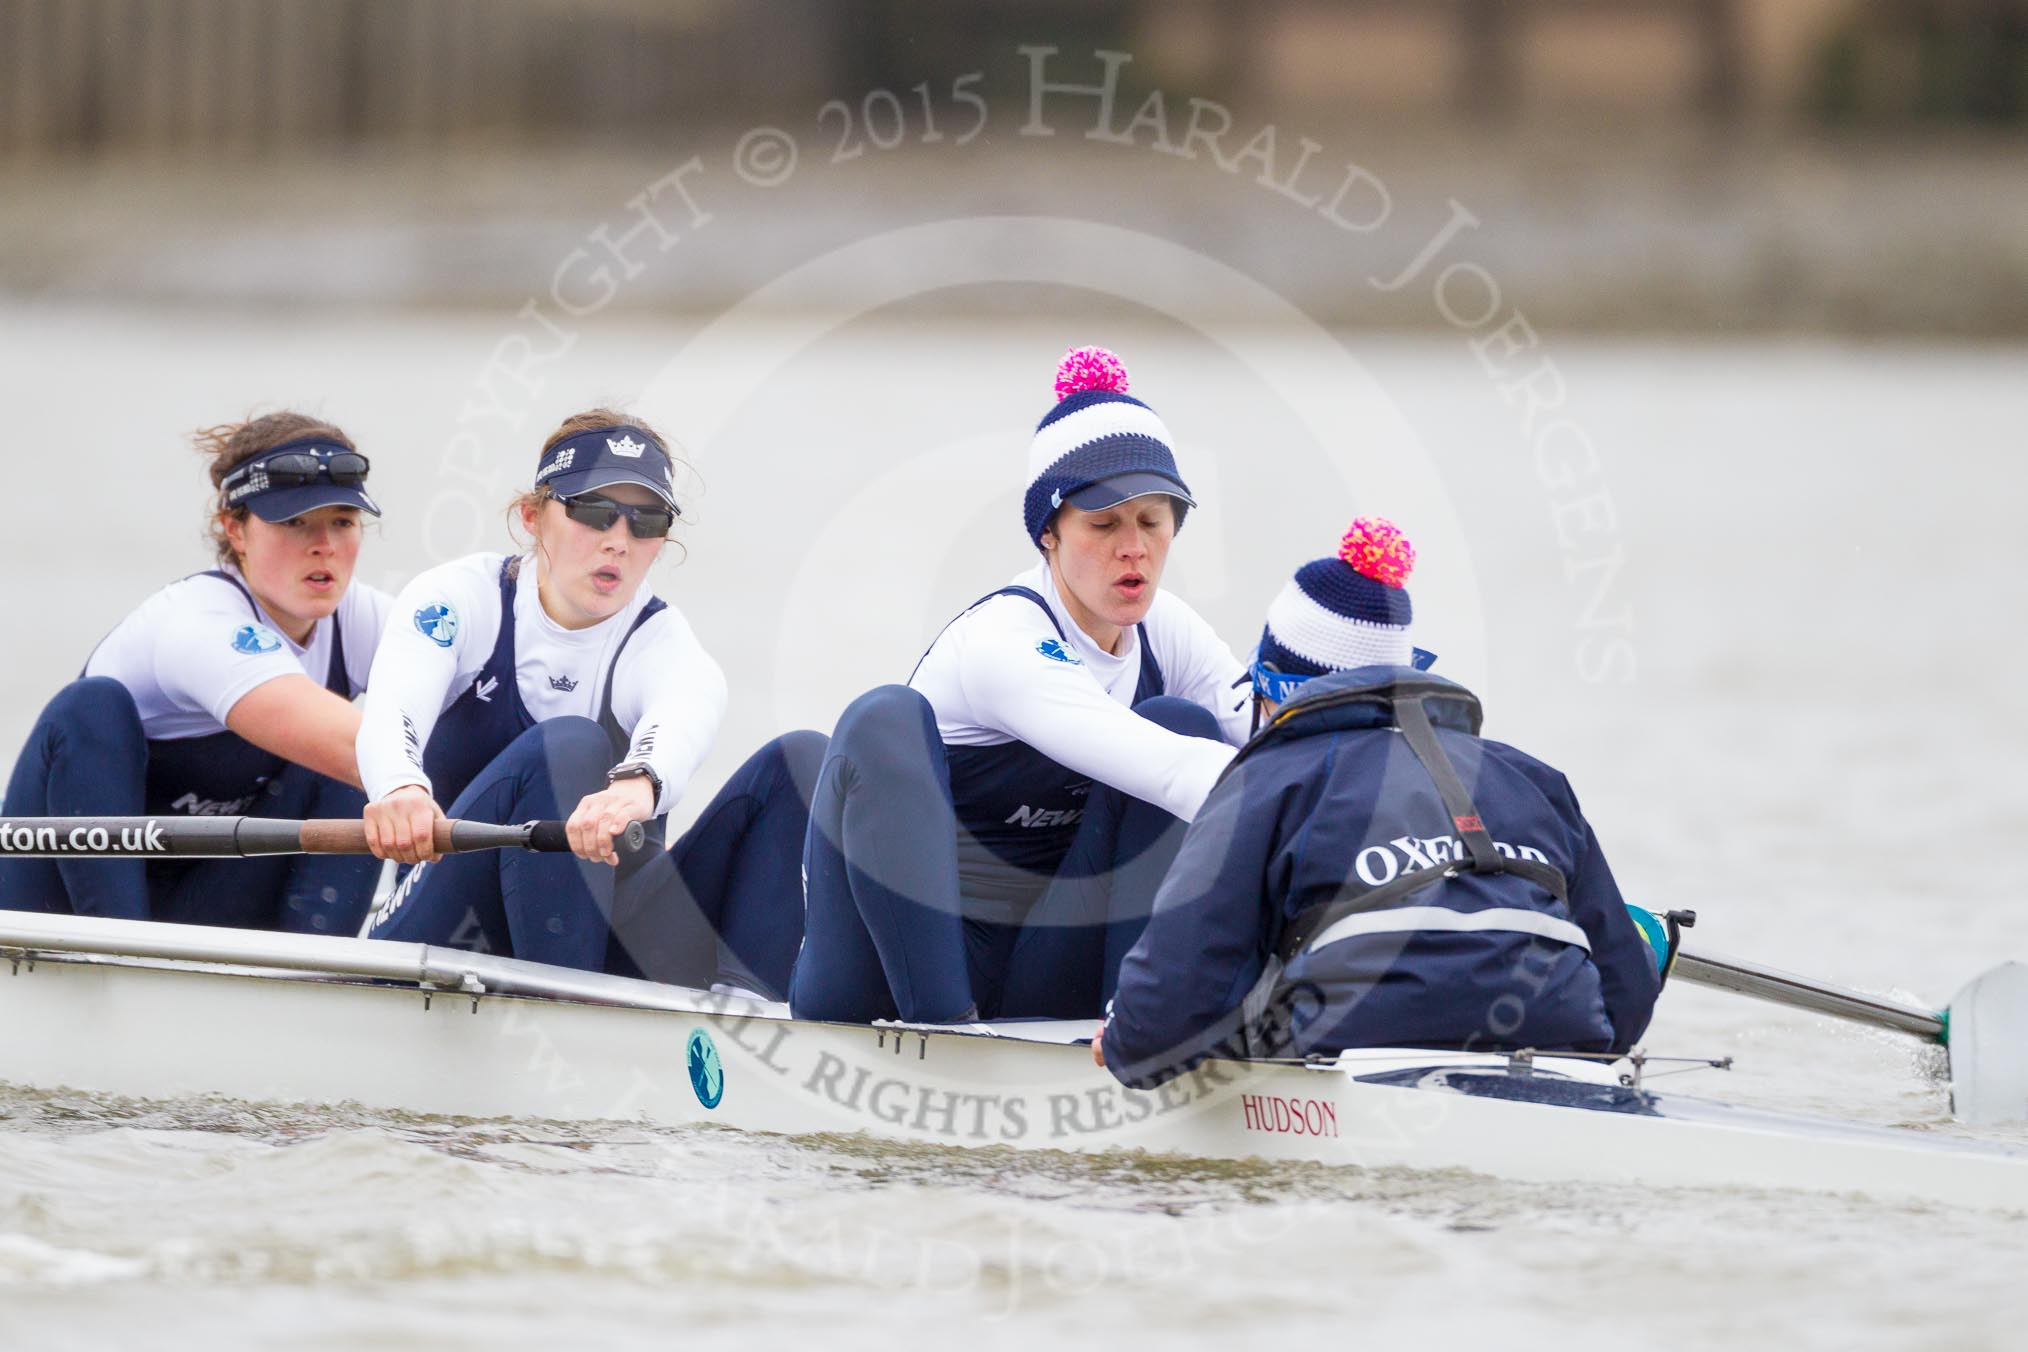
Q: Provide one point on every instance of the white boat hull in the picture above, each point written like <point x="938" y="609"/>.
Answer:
<point x="161" y="1027"/>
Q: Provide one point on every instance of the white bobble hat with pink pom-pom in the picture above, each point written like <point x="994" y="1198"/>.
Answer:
<point x="1098" y="447"/>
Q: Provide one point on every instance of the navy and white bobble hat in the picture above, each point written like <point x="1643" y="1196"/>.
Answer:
<point x="1350" y="610"/>
<point x="1098" y="447"/>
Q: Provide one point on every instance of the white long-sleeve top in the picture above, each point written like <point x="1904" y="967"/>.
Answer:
<point x="194" y="649"/>
<point x="997" y="674"/>
<point x="668" y="694"/>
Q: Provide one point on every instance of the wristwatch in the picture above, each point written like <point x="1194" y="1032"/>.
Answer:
<point x="633" y="769"/>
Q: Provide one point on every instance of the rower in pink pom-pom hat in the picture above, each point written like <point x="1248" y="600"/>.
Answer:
<point x="1098" y="446"/>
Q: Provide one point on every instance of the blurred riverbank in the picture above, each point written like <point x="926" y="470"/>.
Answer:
<point x="1657" y="233"/>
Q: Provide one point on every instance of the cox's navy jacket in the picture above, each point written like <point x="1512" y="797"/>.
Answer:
<point x="1336" y="801"/>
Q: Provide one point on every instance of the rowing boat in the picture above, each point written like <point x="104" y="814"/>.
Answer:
<point x="159" y="1011"/>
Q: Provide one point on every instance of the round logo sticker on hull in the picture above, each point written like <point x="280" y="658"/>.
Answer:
<point x="707" y="1072"/>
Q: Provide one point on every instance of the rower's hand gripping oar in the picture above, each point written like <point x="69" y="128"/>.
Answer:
<point x="1984" y="1029"/>
<point x="243" y="837"/>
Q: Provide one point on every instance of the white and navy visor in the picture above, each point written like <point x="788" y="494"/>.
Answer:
<point x="605" y="456"/>
<point x="298" y="477"/>
<point x="1119" y="488"/>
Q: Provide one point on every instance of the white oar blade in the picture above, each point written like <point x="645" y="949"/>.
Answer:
<point x="1989" y="1047"/>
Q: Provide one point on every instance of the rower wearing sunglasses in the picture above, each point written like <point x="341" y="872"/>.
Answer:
<point x="555" y="684"/>
<point x="228" y="692"/>
<point x="985" y="840"/>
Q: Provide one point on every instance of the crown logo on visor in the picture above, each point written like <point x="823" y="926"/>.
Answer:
<point x="626" y="446"/>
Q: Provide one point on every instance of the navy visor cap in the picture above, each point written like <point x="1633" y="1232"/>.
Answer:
<point x="282" y="496"/>
<point x="1111" y="492"/>
<point x="606" y="456"/>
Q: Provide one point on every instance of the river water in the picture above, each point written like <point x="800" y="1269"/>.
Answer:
<point x="1759" y="600"/>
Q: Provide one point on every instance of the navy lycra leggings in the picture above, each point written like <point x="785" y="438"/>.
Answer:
<point x="885" y="933"/>
<point x="86" y="757"/>
<point x="723" y="903"/>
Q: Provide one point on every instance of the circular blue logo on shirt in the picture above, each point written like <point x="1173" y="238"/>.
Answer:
<point x="255" y="638"/>
<point x="1055" y="650"/>
<point x="707" y="1072"/>
<point x="438" y="623"/>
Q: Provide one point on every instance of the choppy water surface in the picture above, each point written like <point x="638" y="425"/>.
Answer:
<point x="335" y="1228"/>
<point x="1817" y="553"/>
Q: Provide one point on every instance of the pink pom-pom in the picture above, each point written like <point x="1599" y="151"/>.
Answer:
<point x="1090" y="368"/>
<point x="1376" y="548"/>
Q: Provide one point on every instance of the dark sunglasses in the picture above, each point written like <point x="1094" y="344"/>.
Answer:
<point x="643" y="523"/>
<point x="293" y="469"/>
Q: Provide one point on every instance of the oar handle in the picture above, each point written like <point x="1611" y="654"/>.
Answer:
<point x="340" y="835"/>
<point x="344" y="836"/>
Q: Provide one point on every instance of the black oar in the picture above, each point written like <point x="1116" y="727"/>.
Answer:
<point x="1984" y="1029"/>
<point x="239" y="837"/>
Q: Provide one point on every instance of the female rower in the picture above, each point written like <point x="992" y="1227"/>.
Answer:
<point x="985" y="840"/>
<point x="228" y="692"/>
<point x="555" y="684"/>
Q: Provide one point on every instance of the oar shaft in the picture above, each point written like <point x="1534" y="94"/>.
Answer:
<point x="141" y="837"/>
<point x="1801" y="992"/>
<point x="242" y="837"/>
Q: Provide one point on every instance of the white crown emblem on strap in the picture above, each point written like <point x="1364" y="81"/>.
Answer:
<point x="625" y="446"/>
